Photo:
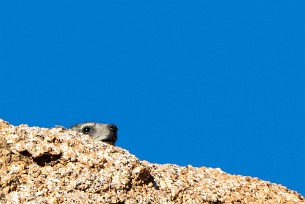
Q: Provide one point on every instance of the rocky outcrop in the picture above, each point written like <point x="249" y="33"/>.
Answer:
<point x="40" y="165"/>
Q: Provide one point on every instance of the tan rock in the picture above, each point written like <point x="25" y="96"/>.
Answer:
<point x="39" y="165"/>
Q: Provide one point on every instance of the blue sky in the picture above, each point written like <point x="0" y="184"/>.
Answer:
<point x="207" y="83"/>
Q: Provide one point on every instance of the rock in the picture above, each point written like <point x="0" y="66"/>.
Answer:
<point x="40" y="165"/>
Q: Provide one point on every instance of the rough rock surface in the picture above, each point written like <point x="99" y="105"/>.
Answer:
<point x="40" y="165"/>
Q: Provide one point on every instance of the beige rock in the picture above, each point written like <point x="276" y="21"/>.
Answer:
<point x="39" y="165"/>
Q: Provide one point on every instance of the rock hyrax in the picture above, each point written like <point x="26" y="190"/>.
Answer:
<point x="98" y="131"/>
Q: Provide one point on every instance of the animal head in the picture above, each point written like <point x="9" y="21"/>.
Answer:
<point x="98" y="131"/>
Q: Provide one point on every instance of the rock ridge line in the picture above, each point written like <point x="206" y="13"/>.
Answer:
<point x="41" y="165"/>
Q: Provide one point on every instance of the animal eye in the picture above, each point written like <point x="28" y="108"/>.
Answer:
<point x="86" y="130"/>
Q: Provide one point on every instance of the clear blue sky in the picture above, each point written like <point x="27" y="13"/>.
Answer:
<point x="206" y="83"/>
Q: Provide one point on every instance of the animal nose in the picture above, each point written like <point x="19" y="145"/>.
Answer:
<point x="113" y="127"/>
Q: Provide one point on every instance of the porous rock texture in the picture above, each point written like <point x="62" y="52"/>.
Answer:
<point x="40" y="165"/>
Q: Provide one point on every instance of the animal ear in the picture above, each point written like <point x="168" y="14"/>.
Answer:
<point x="60" y="126"/>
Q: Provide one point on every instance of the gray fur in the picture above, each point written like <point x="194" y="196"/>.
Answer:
<point x="98" y="131"/>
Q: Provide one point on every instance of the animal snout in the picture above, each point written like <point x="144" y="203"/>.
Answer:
<point x="113" y="127"/>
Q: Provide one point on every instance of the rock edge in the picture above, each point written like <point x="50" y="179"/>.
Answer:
<point x="40" y="165"/>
